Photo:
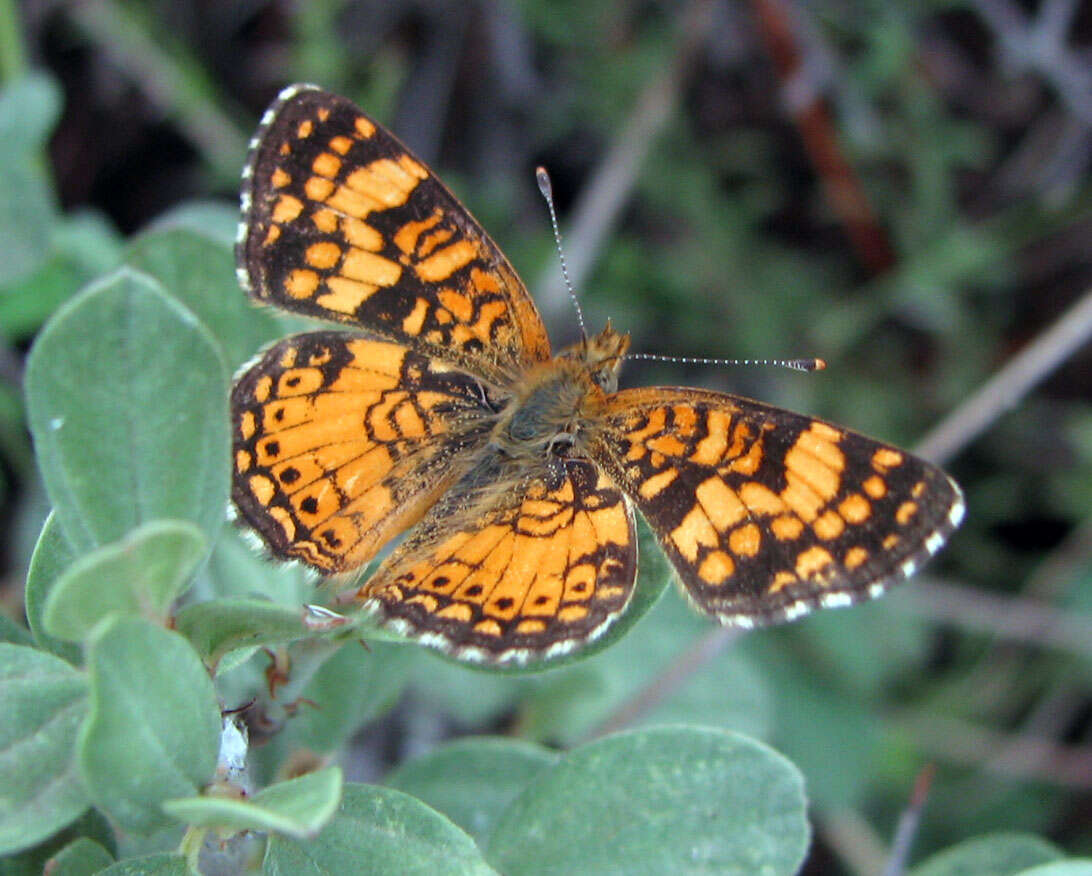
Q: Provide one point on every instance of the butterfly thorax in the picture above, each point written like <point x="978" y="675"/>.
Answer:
<point x="559" y="398"/>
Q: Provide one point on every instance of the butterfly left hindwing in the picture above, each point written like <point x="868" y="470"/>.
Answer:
<point x="341" y="442"/>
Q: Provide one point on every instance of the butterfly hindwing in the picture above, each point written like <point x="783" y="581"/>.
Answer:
<point x="511" y="565"/>
<point x="765" y="513"/>
<point x="341" y="222"/>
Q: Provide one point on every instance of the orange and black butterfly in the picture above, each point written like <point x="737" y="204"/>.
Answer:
<point x="517" y="473"/>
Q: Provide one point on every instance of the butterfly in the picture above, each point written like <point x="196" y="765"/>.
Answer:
<point x="516" y="474"/>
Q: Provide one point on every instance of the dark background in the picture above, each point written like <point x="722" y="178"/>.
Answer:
<point x="899" y="188"/>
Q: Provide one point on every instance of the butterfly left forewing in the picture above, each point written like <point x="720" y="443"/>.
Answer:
<point x="767" y="514"/>
<point x="341" y="222"/>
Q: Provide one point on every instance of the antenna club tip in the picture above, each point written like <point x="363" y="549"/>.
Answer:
<point x="820" y="365"/>
<point x="542" y="177"/>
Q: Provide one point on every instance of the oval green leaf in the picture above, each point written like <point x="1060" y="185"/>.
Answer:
<point x="218" y="626"/>
<point x="44" y="700"/>
<point x="14" y="633"/>
<point x="32" y="862"/>
<point x="298" y="808"/>
<point x="153" y="732"/>
<point x="127" y="402"/>
<point x="472" y="781"/>
<point x="81" y="857"/>
<point x="52" y="555"/>
<point x="999" y="854"/>
<point x="140" y="575"/>
<point x="200" y="272"/>
<point x="29" y="107"/>
<point x="668" y="800"/>
<point x="379" y="831"/>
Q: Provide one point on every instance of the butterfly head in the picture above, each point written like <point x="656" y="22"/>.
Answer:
<point x="602" y="355"/>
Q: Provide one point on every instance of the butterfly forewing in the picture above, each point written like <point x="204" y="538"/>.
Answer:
<point x="765" y="513"/>
<point x="341" y="222"/>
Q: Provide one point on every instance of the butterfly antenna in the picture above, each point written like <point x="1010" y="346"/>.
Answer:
<point x="794" y="364"/>
<point x="547" y="189"/>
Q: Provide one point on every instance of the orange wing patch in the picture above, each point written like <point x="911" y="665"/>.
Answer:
<point x="341" y="222"/>
<point x="341" y="442"/>
<point x="512" y="569"/>
<point x="766" y="513"/>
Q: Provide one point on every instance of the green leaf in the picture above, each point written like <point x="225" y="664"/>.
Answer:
<point x="154" y="727"/>
<point x="44" y="700"/>
<point x="999" y="854"/>
<point x="218" y="626"/>
<point x="81" y="857"/>
<point x="83" y="247"/>
<point x="163" y="864"/>
<point x="200" y="272"/>
<point x="728" y="692"/>
<point x="28" y="109"/>
<point x="472" y="781"/>
<point x="237" y="569"/>
<point x="379" y="831"/>
<point x="667" y="800"/>
<point x="140" y="575"/>
<point x="27" y="302"/>
<point x="1073" y="867"/>
<point x="298" y="808"/>
<point x="127" y="402"/>
<point x="14" y="633"/>
<point x="212" y="219"/>
<point x="26" y="211"/>
<point x="52" y="555"/>
<point x="32" y="862"/>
